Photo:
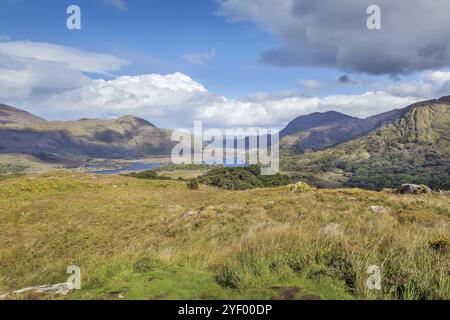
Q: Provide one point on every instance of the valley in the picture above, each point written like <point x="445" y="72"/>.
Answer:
<point x="213" y="232"/>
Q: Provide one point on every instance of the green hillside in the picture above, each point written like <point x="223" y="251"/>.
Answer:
<point x="72" y="142"/>
<point x="413" y="149"/>
<point x="157" y="239"/>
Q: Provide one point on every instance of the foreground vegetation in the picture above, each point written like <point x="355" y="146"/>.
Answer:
<point x="157" y="239"/>
<point x="230" y="178"/>
<point x="242" y="178"/>
<point x="11" y="170"/>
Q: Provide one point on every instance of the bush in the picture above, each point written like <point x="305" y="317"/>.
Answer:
<point x="11" y="170"/>
<point x="242" y="178"/>
<point x="192" y="184"/>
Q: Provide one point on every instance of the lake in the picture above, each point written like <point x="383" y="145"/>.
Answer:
<point x="136" y="166"/>
<point x="139" y="166"/>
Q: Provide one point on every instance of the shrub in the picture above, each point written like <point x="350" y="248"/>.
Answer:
<point x="11" y="170"/>
<point x="192" y="184"/>
<point x="242" y="178"/>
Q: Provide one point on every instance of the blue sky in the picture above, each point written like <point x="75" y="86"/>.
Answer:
<point x="221" y="45"/>
<point x="156" y="34"/>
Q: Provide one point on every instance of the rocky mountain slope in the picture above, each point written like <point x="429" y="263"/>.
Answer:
<point x="314" y="120"/>
<point x="414" y="148"/>
<point x="126" y="137"/>
<point x="322" y="130"/>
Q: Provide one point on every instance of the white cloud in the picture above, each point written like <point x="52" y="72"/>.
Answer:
<point x="52" y="81"/>
<point x="175" y="100"/>
<point x="168" y="98"/>
<point x="330" y="33"/>
<point x="119" y="4"/>
<point x="432" y="85"/>
<point x="28" y="69"/>
<point x="277" y="111"/>
<point x="310" y="83"/>
<point x="73" y="58"/>
<point x="200" y="59"/>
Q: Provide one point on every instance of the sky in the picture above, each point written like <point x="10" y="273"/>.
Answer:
<point x="228" y="63"/>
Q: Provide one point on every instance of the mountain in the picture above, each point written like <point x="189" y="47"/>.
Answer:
<point x="414" y="147"/>
<point x="10" y="115"/>
<point x="322" y="130"/>
<point x="72" y="141"/>
<point x="313" y="120"/>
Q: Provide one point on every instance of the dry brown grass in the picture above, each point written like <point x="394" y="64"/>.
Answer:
<point x="133" y="236"/>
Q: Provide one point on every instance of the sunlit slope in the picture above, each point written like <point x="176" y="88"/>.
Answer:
<point x="140" y="239"/>
<point x="413" y="149"/>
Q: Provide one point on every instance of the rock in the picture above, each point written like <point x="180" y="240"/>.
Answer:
<point x="299" y="187"/>
<point x="60" y="288"/>
<point x="378" y="209"/>
<point x="414" y="189"/>
<point x="189" y="214"/>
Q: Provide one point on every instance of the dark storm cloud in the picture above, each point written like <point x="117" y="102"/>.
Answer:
<point x="344" y="79"/>
<point x="415" y="34"/>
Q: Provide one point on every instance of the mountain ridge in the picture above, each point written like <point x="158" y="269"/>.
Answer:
<point x="329" y="129"/>
<point x="312" y="120"/>
<point x="126" y="137"/>
<point x="409" y="145"/>
<point x="11" y="115"/>
<point x="413" y="148"/>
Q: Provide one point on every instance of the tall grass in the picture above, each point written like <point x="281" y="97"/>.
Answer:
<point x="134" y="238"/>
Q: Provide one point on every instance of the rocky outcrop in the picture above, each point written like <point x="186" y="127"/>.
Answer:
<point x="414" y="189"/>
<point x="60" y="288"/>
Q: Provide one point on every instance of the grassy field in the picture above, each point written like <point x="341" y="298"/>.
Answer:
<point x="143" y="239"/>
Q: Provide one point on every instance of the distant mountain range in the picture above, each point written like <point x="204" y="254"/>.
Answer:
<point x="328" y="149"/>
<point x="73" y="141"/>
<point x="322" y="130"/>
<point x="411" y="145"/>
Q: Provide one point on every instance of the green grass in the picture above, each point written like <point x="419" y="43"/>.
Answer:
<point x="132" y="238"/>
<point x="148" y="174"/>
